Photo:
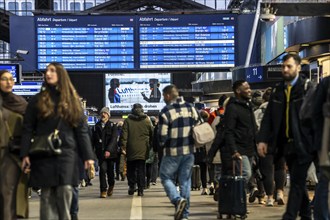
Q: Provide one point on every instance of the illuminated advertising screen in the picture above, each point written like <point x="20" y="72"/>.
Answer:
<point x="124" y="90"/>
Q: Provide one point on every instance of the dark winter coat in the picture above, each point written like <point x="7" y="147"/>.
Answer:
<point x="271" y="130"/>
<point x="55" y="170"/>
<point x="240" y="127"/>
<point x="318" y="115"/>
<point x="105" y="139"/>
<point x="136" y="137"/>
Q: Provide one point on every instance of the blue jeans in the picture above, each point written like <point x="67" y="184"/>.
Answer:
<point x="246" y="169"/>
<point x="75" y="198"/>
<point x="180" y="167"/>
<point x="321" y="211"/>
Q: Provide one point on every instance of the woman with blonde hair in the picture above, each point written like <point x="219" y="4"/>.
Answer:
<point x="56" y="106"/>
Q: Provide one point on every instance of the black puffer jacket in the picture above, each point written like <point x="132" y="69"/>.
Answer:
<point x="105" y="139"/>
<point x="240" y="127"/>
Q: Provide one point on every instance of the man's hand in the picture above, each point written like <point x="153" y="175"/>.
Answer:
<point x="262" y="149"/>
<point x="106" y="154"/>
<point x="237" y="156"/>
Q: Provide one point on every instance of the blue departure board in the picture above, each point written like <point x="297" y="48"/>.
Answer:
<point x="86" y="42"/>
<point x="137" y="42"/>
<point x="187" y="41"/>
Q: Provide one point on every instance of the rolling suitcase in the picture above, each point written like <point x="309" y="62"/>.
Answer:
<point x="196" y="178"/>
<point x="232" y="195"/>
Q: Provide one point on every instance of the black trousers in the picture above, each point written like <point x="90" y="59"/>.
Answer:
<point x="271" y="172"/>
<point x="298" y="201"/>
<point x="107" y="170"/>
<point x="136" y="172"/>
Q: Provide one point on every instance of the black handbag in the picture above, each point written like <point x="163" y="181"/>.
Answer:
<point x="46" y="145"/>
<point x="14" y="146"/>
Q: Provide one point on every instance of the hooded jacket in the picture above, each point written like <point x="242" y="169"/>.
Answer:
<point x="240" y="127"/>
<point x="136" y="137"/>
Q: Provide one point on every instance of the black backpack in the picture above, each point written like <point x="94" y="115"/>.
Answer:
<point x="306" y="109"/>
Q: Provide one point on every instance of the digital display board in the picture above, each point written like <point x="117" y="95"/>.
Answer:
<point x="187" y="41"/>
<point x="27" y="88"/>
<point x="86" y="42"/>
<point x="124" y="90"/>
<point x="14" y="69"/>
<point x="137" y="42"/>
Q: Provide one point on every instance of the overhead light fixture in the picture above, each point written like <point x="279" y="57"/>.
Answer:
<point x="268" y="13"/>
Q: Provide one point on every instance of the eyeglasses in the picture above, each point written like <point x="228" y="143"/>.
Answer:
<point x="7" y="79"/>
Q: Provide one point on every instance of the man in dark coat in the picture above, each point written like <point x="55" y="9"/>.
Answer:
<point x="240" y="129"/>
<point x="105" y="144"/>
<point x="320" y="124"/>
<point x="281" y="129"/>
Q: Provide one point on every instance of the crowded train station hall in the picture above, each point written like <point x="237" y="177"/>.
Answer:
<point x="177" y="109"/>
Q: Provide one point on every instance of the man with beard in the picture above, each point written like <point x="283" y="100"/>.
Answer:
<point x="105" y="144"/>
<point x="282" y="131"/>
<point x="240" y="130"/>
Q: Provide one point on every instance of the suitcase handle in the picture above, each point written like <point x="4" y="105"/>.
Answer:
<point x="241" y="167"/>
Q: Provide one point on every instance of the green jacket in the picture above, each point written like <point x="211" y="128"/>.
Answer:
<point x="136" y="137"/>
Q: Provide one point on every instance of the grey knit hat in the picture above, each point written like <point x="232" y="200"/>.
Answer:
<point x="106" y="110"/>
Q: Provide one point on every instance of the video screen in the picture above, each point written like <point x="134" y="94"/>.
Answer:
<point x="27" y="88"/>
<point x="124" y="90"/>
<point x="14" y="69"/>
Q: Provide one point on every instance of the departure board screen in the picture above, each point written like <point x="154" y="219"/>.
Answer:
<point x="86" y="42"/>
<point x="187" y="41"/>
<point x="137" y="42"/>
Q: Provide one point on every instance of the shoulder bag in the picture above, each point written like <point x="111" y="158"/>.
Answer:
<point x="46" y="145"/>
<point x="202" y="133"/>
<point x="14" y="146"/>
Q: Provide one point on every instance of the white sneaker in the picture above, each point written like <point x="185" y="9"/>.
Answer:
<point x="270" y="202"/>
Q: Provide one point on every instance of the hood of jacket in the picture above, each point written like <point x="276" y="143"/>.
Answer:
<point x="234" y="100"/>
<point x="137" y="115"/>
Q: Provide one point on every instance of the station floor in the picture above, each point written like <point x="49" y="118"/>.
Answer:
<point x="154" y="205"/>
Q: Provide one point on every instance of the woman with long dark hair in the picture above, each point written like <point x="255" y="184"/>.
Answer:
<point x="12" y="108"/>
<point x="56" y="106"/>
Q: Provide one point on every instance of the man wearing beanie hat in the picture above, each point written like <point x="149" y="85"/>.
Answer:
<point x="136" y="140"/>
<point x="105" y="110"/>
<point x="105" y="144"/>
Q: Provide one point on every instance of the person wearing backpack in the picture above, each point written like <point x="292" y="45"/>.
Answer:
<point x="320" y="114"/>
<point x="270" y="172"/>
<point x="281" y="128"/>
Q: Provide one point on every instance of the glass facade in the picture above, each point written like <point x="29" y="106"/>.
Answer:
<point x="25" y="7"/>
